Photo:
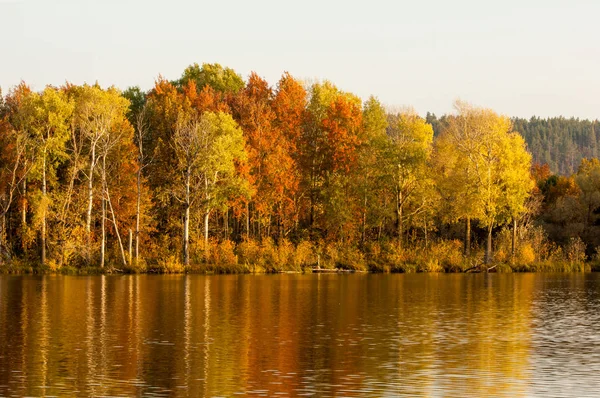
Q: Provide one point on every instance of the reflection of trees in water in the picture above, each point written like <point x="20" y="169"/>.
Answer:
<point x="329" y="334"/>
<point x="495" y="329"/>
<point x="565" y="340"/>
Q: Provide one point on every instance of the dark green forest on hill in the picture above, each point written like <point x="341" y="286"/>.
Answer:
<point x="559" y="142"/>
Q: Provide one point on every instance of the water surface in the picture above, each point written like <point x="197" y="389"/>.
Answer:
<point x="300" y="335"/>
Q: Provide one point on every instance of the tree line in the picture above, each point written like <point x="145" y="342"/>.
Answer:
<point x="210" y="169"/>
<point x="559" y="142"/>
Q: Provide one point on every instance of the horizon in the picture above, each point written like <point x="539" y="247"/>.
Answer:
<point x="513" y="60"/>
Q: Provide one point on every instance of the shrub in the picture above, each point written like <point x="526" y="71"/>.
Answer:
<point x="304" y="256"/>
<point x="449" y="254"/>
<point x="222" y="254"/>
<point x="343" y="256"/>
<point x="137" y="268"/>
<point x="525" y="254"/>
<point x="575" y="251"/>
<point x="170" y="265"/>
<point x="248" y="253"/>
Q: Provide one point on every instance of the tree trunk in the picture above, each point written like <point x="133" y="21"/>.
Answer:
<point x="64" y="213"/>
<point x="44" y="204"/>
<point x="137" y="215"/>
<point x="24" y="216"/>
<point x="399" y="216"/>
<point x="467" y="248"/>
<point x="226" y="221"/>
<point x="130" y="246"/>
<point x="488" y="249"/>
<point x="247" y="220"/>
<point x="206" y="219"/>
<point x="88" y="221"/>
<point x="425" y="230"/>
<point x="311" y="219"/>
<point x="280" y="223"/>
<point x="114" y="220"/>
<point x="514" y="237"/>
<point x="2" y="236"/>
<point x="24" y="204"/>
<point x="102" y="246"/>
<point x="364" y="220"/>
<point x="186" y="220"/>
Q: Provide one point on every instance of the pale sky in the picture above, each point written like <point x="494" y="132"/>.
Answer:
<point x="520" y="57"/>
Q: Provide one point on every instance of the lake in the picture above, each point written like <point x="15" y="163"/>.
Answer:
<point x="300" y="335"/>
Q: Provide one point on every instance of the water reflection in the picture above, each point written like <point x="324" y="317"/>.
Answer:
<point x="293" y="335"/>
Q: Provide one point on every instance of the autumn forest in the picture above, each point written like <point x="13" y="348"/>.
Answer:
<point x="211" y="173"/>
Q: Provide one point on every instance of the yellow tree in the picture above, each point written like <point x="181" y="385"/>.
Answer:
<point x="486" y="169"/>
<point x="47" y="118"/>
<point x="502" y="173"/>
<point x="411" y="138"/>
<point x="370" y="181"/>
<point x="454" y="172"/>
<point x="516" y="180"/>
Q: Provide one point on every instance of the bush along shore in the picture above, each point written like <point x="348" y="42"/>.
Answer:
<point x="226" y="257"/>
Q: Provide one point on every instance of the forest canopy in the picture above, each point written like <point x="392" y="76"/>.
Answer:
<point x="214" y="173"/>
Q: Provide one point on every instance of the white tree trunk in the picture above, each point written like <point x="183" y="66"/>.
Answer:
<point x="103" y="244"/>
<point x="88" y="222"/>
<point x="206" y="219"/>
<point x="186" y="221"/>
<point x="44" y="204"/>
<point x="114" y="220"/>
<point x="137" y="215"/>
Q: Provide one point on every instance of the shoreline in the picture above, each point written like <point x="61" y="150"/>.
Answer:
<point x="211" y="269"/>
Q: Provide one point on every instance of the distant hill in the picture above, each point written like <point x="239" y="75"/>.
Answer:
<point x="557" y="141"/>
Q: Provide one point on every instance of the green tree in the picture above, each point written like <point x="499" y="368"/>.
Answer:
<point x="370" y="181"/>
<point x="137" y="101"/>
<point x="409" y="150"/>
<point x="224" y="80"/>
<point x="48" y="118"/>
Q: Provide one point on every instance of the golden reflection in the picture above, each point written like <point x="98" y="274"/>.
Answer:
<point x="89" y="347"/>
<point x="101" y="341"/>
<point x="24" y="333"/>
<point x="44" y="334"/>
<point x="187" y="329"/>
<point x="356" y="335"/>
<point x="206" y="343"/>
<point x="495" y="336"/>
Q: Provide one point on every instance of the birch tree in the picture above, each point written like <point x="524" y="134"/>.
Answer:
<point x="207" y="149"/>
<point x="98" y="113"/>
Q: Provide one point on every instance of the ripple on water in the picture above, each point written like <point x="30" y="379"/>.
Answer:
<point x="300" y="335"/>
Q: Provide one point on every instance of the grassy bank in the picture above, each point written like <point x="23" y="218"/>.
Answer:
<point x="387" y="257"/>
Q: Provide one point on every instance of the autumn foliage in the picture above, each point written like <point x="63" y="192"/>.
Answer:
<point x="210" y="169"/>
